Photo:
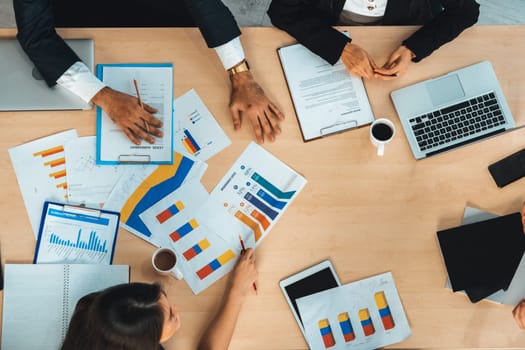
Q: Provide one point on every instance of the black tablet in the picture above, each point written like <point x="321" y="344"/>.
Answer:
<point x="314" y="279"/>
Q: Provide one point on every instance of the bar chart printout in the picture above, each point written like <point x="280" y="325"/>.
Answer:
<point x="363" y="315"/>
<point x="76" y="235"/>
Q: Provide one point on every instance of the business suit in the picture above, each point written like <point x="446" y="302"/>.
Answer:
<point x="311" y="21"/>
<point x="51" y="55"/>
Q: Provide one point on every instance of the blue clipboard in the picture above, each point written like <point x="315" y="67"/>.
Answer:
<point x="137" y="156"/>
<point x="76" y="235"/>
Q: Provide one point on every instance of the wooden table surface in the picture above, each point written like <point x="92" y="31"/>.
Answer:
<point x="367" y="214"/>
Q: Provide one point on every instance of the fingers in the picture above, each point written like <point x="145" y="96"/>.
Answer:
<point x="519" y="314"/>
<point x="249" y="254"/>
<point x="236" y="118"/>
<point x="523" y="216"/>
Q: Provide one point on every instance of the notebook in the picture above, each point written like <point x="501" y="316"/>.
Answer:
<point x="22" y="87"/>
<point x="482" y="257"/>
<point x="453" y="110"/>
<point x="40" y="299"/>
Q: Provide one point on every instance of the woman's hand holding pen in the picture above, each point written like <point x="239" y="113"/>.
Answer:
<point x="137" y="123"/>
<point x="245" y="274"/>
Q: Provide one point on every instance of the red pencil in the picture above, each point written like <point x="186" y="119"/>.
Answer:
<point x="243" y="249"/>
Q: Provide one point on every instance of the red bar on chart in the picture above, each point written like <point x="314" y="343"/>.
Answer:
<point x="346" y="326"/>
<point x="366" y="322"/>
<point x="384" y="310"/>
<point x="326" y="333"/>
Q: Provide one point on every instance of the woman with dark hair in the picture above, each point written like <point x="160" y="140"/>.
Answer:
<point x="138" y="316"/>
<point x="311" y="21"/>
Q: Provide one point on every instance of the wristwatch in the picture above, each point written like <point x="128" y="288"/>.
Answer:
<point x="240" y="67"/>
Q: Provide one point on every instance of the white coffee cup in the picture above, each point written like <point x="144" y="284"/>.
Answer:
<point x="164" y="261"/>
<point x="382" y="131"/>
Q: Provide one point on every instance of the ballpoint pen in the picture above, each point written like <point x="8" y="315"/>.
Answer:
<point x="243" y="249"/>
<point x="140" y="102"/>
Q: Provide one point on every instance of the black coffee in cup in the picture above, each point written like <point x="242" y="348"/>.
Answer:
<point x="165" y="260"/>
<point x="382" y="132"/>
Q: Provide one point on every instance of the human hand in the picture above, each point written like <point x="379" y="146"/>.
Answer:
<point x="136" y="122"/>
<point x="249" y="100"/>
<point x="396" y="65"/>
<point x="519" y="314"/>
<point x="357" y="61"/>
<point x="244" y="275"/>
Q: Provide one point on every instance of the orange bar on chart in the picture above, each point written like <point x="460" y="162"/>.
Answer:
<point x="56" y="162"/>
<point x="384" y="310"/>
<point x="326" y="333"/>
<point x="250" y="223"/>
<point x="58" y="174"/>
<point x="261" y="218"/>
<point x="49" y="151"/>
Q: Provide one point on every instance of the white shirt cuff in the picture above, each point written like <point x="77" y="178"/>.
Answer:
<point x="80" y="80"/>
<point x="230" y="53"/>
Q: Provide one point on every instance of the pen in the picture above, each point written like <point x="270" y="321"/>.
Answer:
<point x="243" y="249"/>
<point x="140" y="102"/>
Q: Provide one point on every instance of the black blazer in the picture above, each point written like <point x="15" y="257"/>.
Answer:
<point x="35" y="20"/>
<point x="311" y="21"/>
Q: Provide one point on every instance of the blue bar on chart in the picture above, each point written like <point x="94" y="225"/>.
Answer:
<point x="169" y="212"/>
<point x="260" y="205"/>
<point x="184" y="230"/>
<point x="270" y="200"/>
<point x="271" y="188"/>
<point x="189" y="142"/>
<point x="93" y="244"/>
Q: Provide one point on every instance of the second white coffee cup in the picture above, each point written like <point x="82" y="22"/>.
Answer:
<point x="164" y="261"/>
<point x="382" y="131"/>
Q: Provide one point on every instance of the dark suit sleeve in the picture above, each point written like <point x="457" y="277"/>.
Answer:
<point x="215" y="21"/>
<point x="457" y="16"/>
<point x="311" y="25"/>
<point x="37" y="36"/>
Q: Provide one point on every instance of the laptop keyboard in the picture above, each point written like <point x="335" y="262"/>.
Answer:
<point x="480" y="114"/>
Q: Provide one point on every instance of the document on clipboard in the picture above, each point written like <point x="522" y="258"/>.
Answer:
<point x="326" y="98"/>
<point x="76" y="235"/>
<point x="155" y="83"/>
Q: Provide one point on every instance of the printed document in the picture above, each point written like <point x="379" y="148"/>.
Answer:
<point x="327" y="99"/>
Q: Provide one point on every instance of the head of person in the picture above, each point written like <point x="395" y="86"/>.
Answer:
<point x="124" y="317"/>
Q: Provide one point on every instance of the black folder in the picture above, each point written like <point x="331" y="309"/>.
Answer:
<point x="481" y="258"/>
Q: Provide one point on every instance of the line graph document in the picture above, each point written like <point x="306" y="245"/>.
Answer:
<point x="89" y="183"/>
<point x="155" y="83"/>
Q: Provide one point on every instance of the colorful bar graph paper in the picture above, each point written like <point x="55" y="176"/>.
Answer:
<point x="168" y="213"/>
<point x="326" y="333"/>
<point x="184" y="230"/>
<point x="250" y="223"/>
<point x="271" y="188"/>
<point x="189" y="142"/>
<point x="366" y="322"/>
<point x="346" y="326"/>
<point x="196" y="249"/>
<point x="215" y="264"/>
<point x="384" y="310"/>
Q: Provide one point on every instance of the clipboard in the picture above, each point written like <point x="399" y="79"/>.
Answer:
<point x="322" y="94"/>
<point x="76" y="235"/>
<point x="156" y="84"/>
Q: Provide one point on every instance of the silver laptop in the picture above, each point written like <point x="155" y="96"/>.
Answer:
<point x="456" y="109"/>
<point x="22" y="87"/>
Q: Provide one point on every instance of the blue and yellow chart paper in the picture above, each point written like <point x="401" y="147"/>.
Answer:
<point x="143" y="187"/>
